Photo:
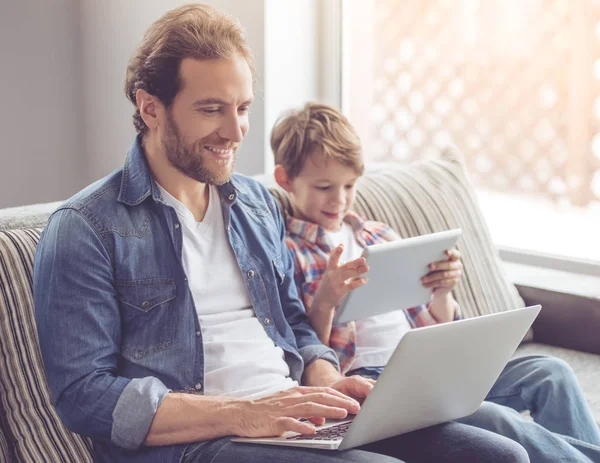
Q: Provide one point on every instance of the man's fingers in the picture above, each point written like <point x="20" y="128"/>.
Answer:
<point x="287" y="423"/>
<point x="323" y="397"/>
<point x="317" y="420"/>
<point x="314" y="409"/>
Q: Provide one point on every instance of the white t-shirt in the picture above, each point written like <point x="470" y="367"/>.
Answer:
<point x="376" y="337"/>
<point x="239" y="357"/>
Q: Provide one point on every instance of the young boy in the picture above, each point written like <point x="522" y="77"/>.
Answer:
<point x="318" y="160"/>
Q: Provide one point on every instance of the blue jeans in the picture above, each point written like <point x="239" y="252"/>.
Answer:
<point x="448" y="443"/>
<point x="563" y="430"/>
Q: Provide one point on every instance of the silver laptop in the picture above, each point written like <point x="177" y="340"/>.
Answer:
<point x="436" y="374"/>
<point x="395" y="275"/>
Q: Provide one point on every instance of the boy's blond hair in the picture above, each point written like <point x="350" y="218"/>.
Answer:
<point x="299" y="133"/>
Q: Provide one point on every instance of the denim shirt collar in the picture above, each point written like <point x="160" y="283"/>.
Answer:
<point x="137" y="183"/>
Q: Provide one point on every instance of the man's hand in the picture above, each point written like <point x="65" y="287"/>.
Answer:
<point x="357" y="387"/>
<point x="339" y="280"/>
<point x="279" y="413"/>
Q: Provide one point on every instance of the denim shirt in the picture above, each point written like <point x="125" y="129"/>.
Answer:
<point x="116" y="320"/>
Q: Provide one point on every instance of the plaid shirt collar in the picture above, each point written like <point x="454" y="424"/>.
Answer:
<point x="314" y="233"/>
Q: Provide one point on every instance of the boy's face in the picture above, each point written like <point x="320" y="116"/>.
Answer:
<point x="323" y="191"/>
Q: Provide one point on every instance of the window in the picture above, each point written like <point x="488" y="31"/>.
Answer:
<point x="515" y="85"/>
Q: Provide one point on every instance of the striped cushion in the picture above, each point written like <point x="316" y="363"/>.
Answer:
<point x="31" y="424"/>
<point x="432" y="196"/>
<point x="5" y="453"/>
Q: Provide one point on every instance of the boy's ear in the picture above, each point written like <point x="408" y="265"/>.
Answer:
<point x="282" y="178"/>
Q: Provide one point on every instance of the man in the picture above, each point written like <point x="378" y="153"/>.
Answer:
<point x="166" y="308"/>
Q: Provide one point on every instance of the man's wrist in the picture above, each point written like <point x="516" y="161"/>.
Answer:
<point x="320" y="373"/>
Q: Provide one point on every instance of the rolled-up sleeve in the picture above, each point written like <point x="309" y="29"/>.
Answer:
<point x="135" y="410"/>
<point x="79" y="329"/>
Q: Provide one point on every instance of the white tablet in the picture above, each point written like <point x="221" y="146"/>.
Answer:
<point x="395" y="271"/>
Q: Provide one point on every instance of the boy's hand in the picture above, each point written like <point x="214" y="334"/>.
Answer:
<point x="445" y="274"/>
<point x="442" y="278"/>
<point x="338" y="280"/>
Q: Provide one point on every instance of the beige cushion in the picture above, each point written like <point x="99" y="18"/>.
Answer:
<point x="30" y="421"/>
<point x="5" y="454"/>
<point x="432" y="196"/>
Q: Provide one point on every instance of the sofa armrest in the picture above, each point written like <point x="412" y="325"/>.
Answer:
<point x="566" y="320"/>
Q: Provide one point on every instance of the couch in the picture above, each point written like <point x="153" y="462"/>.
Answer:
<point x="420" y="198"/>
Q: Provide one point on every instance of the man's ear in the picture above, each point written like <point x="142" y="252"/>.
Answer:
<point x="282" y="178"/>
<point x="148" y="105"/>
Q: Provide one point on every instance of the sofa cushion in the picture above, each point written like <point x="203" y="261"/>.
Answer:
<point x="5" y="453"/>
<point x="32" y="216"/>
<point x="30" y="421"/>
<point x="432" y="196"/>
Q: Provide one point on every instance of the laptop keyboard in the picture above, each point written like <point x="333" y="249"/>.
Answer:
<point x="332" y="433"/>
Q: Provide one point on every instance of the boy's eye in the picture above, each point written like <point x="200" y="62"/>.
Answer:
<point x="323" y="188"/>
<point x="349" y="187"/>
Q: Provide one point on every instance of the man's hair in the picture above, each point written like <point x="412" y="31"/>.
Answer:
<point x="299" y="133"/>
<point x="190" y="31"/>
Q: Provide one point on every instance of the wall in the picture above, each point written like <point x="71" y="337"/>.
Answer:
<point x="40" y="87"/>
<point x="65" y="120"/>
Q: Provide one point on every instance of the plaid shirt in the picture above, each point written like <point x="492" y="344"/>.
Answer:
<point x="311" y="250"/>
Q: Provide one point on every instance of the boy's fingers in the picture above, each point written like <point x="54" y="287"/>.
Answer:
<point x="357" y="283"/>
<point x="446" y="265"/>
<point x="346" y="273"/>
<point x="453" y="254"/>
<point x="441" y="278"/>
<point x="334" y="258"/>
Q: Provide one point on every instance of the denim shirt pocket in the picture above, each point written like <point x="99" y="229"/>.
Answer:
<point x="147" y="319"/>
<point x="279" y="269"/>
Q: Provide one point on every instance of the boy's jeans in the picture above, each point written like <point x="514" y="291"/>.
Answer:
<point x="564" y="429"/>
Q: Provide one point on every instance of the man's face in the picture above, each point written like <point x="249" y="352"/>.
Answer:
<point x="203" y="128"/>
<point x="323" y="191"/>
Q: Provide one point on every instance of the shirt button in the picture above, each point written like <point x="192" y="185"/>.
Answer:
<point x="145" y="305"/>
<point x="231" y="197"/>
<point x="267" y="321"/>
<point x="198" y="387"/>
<point x="250" y="273"/>
<point x="177" y="225"/>
<point x="198" y="333"/>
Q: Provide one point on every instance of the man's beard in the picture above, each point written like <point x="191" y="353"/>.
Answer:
<point x="189" y="160"/>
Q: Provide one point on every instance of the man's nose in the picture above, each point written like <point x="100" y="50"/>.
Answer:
<point x="232" y="129"/>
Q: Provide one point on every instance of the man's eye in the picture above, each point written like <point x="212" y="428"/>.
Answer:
<point x="323" y="188"/>
<point x="349" y="187"/>
<point x="209" y="110"/>
<point x="244" y="110"/>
